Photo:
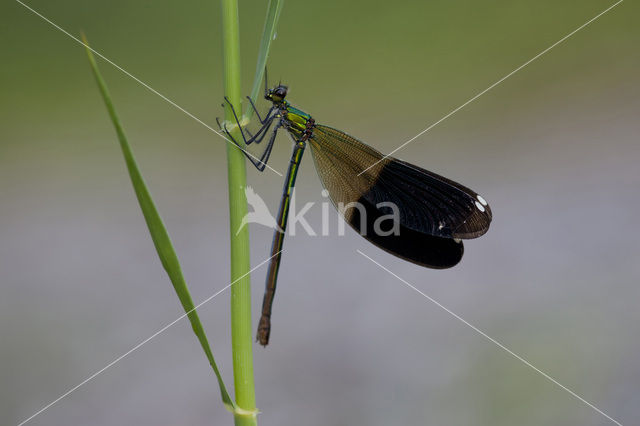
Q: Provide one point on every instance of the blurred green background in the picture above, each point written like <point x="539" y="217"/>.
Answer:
<point x="554" y="149"/>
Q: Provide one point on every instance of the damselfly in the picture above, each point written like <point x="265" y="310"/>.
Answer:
<point x="434" y="213"/>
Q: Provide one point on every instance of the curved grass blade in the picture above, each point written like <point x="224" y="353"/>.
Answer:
<point x="268" y="34"/>
<point x="158" y="231"/>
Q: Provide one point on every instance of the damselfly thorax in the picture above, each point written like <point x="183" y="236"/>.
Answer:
<point x="297" y="122"/>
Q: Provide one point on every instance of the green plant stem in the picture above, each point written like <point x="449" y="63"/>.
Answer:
<point x="241" y="331"/>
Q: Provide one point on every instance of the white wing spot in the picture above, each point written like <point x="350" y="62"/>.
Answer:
<point x="482" y="200"/>
<point x="480" y="207"/>
<point x="440" y="225"/>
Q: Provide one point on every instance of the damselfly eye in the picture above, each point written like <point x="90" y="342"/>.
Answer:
<point x="280" y="92"/>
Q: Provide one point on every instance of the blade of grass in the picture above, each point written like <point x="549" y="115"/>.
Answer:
<point x="158" y="231"/>
<point x="241" y="331"/>
<point x="268" y="34"/>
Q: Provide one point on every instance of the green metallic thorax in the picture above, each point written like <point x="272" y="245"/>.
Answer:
<point x="298" y="120"/>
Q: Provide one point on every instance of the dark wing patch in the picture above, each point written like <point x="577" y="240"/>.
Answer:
<point x="408" y="244"/>
<point x="431" y="203"/>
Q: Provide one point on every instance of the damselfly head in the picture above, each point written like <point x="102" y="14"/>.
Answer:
<point x="277" y="94"/>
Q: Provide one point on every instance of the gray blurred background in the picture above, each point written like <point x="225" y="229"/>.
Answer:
<point x="554" y="149"/>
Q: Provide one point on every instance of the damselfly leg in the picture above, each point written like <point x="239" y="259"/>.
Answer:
<point x="267" y="122"/>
